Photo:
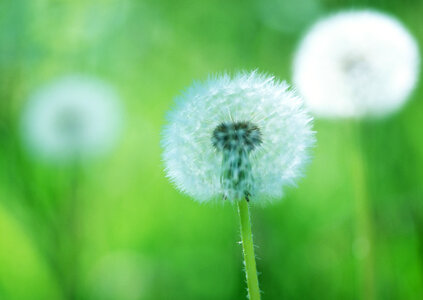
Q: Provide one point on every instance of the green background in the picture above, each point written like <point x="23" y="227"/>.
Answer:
<point x="136" y="236"/>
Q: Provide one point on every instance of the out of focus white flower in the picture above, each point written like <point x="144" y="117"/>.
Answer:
<point x="120" y="275"/>
<point x="356" y="64"/>
<point x="288" y="16"/>
<point x="73" y="117"/>
<point x="246" y="136"/>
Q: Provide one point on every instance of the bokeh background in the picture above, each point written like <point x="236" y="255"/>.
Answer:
<point x="136" y="236"/>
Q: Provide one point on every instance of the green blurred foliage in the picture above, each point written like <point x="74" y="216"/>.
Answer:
<point x="137" y="236"/>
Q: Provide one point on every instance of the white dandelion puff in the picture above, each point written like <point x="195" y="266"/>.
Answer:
<point x="356" y="64"/>
<point x="71" y="118"/>
<point x="246" y="136"/>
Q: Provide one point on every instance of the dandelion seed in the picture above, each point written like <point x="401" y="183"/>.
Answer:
<point x="233" y="138"/>
<point x="73" y="117"/>
<point x="356" y="64"/>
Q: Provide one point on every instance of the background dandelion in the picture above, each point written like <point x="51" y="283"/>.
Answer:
<point x="119" y="276"/>
<point x="358" y="64"/>
<point x="66" y="122"/>
<point x="72" y="118"/>
<point x="289" y="16"/>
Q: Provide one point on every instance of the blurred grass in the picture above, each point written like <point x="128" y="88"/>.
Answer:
<point x="150" y="50"/>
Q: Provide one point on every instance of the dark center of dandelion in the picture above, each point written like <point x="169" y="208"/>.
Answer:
<point x="355" y="65"/>
<point x="236" y="136"/>
<point x="69" y="124"/>
<point x="236" y="141"/>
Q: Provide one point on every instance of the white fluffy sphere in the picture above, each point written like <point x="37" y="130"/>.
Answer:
<point x="71" y="118"/>
<point x="356" y="64"/>
<point x="246" y="136"/>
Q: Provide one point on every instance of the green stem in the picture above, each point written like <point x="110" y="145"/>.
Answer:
<point x="72" y="230"/>
<point x="248" y="249"/>
<point x="364" y="232"/>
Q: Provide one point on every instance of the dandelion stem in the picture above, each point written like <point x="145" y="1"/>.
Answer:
<point x="73" y="232"/>
<point x="364" y="232"/>
<point x="248" y="250"/>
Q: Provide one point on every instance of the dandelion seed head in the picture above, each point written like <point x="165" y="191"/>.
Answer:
<point x="72" y="117"/>
<point x="235" y="137"/>
<point x="356" y="64"/>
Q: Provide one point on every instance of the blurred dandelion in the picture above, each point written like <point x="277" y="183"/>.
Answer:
<point x="356" y="64"/>
<point x="288" y="16"/>
<point x="245" y="137"/>
<point x="72" y="117"/>
<point x="120" y="275"/>
<point x="68" y="121"/>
